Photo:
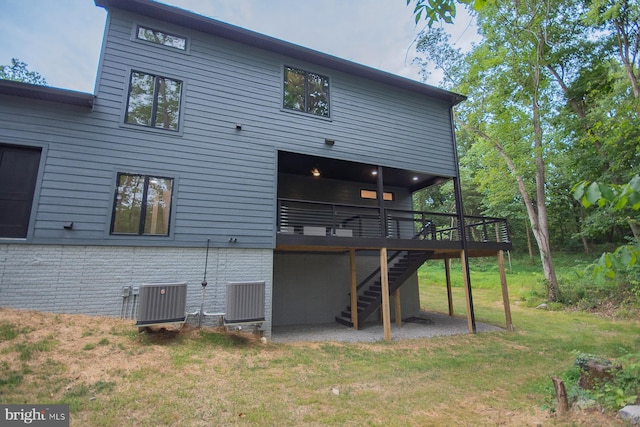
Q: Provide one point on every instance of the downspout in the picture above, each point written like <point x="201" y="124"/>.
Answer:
<point x="457" y="188"/>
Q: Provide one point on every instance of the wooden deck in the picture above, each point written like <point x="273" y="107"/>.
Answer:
<point x="322" y="227"/>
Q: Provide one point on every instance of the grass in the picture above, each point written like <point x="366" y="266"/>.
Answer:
<point x="203" y="377"/>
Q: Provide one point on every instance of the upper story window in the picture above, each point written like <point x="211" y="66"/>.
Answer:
<point x="153" y="101"/>
<point x="142" y="205"/>
<point x="306" y="92"/>
<point x="161" y="37"/>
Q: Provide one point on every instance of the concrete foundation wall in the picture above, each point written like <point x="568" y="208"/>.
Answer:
<point x="90" y="279"/>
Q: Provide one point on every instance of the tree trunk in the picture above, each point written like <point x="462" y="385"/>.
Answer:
<point x="585" y="242"/>
<point x="633" y="224"/>
<point x="537" y="217"/>
<point x="561" y="396"/>
<point x="526" y="227"/>
<point x="542" y="230"/>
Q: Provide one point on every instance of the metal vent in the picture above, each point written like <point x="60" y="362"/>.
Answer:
<point x="162" y="303"/>
<point x="245" y="302"/>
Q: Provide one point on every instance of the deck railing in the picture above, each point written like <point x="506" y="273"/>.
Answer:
<point x="309" y="218"/>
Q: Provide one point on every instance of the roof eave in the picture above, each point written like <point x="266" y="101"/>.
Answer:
<point x="45" y="93"/>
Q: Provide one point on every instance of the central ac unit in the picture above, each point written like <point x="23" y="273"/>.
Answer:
<point x="162" y="303"/>
<point x="245" y="302"/>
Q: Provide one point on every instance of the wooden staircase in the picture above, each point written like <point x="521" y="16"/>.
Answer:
<point x="401" y="265"/>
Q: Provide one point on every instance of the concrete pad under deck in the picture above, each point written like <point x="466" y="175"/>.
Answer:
<point x="428" y="325"/>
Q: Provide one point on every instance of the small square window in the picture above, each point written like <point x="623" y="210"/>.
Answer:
<point x="153" y="101"/>
<point x="142" y="205"/>
<point x="370" y="194"/>
<point x="161" y="37"/>
<point x="306" y="92"/>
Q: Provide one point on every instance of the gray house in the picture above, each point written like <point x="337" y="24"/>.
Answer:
<point x="205" y="142"/>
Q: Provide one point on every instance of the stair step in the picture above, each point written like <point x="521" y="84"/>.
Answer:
<point x="344" y="321"/>
<point x="369" y="299"/>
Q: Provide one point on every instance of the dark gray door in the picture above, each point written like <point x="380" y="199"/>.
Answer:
<point x="18" y="175"/>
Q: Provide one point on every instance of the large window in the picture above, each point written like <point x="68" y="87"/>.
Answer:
<point x="18" y="176"/>
<point x="161" y="37"/>
<point x="305" y="91"/>
<point x="153" y="101"/>
<point x="142" y="205"/>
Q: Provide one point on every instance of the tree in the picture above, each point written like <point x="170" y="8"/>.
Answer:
<point x="18" y="72"/>
<point x="552" y="101"/>
<point x="508" y="117"/>
<point x="622" y="19"/>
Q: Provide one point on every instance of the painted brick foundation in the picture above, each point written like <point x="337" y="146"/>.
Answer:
<point x="89" y="279"/>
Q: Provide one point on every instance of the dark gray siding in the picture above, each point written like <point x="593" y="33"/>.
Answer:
<point x="339" y="192"/>
<point x="225" y="178"/>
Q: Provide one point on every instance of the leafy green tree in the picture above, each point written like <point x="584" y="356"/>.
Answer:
<point x="551" y="102"/>
<point x="614" y="198"/>
<point x="621" y="19"/>
<point x="441" y="10"/>
<point x="508" y="117"/>
<point x="18" y="72"/>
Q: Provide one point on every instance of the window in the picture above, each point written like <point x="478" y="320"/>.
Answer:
<point x="307" y="92"/>
<point x="142" y="205"/>
<point x="370" y="194"/>
<point x="18" y="176"/>
<point x="153" y="101"/>
<point x="160" y="37"/>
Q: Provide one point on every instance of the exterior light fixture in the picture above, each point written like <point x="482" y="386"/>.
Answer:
<point x="415" y="178"/>
<point x="315" y="172"/>
<point x="374" y="172"/>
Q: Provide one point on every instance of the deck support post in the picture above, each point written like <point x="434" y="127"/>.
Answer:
<point x="467" y="290"/>
<point x="505" y="290"/>
<point x="503" y="284"/>
<point x="354" y="289"/>
<point x="398" y="307"/>
<point x="447" y="273"/>
<point x="384" y="280"/>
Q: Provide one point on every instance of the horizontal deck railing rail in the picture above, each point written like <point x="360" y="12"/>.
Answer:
<point x="309" y="218"/>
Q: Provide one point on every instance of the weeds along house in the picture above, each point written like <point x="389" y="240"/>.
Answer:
<point x="297" y="167"/>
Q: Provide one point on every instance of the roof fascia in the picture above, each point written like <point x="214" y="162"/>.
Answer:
<point x="45" y="93"/>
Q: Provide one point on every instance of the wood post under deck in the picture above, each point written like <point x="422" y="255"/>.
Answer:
<point x="505" y="290"/>
<point x="447" y="273"/>
<point x="503" y="284"/>
<point x="467" y="291"/>
<point x="384" y="279"/>
<point x="398" y="307"/>
<point x="354" y="289"/>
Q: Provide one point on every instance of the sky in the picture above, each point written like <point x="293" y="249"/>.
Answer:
<point x="61" y="39"/>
